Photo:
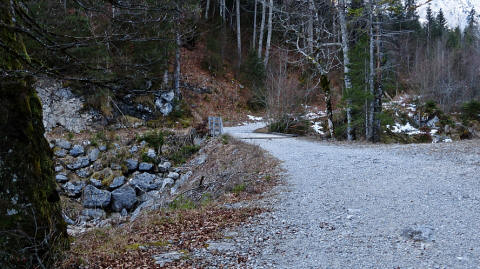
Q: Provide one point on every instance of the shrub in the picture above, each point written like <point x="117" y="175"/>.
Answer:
<point x="239" y="188"/>
<point x="225" y="139"/>
<point x="180" y="156"/>
<point x="471" y="111"/>
<point x="252" y="74"/>
<point x="182" y="203"/>
<point x="290" y="126"/>
<point x="154" y="138"/>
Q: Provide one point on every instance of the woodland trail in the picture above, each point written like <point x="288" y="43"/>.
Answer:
<point x="366" y="206"/>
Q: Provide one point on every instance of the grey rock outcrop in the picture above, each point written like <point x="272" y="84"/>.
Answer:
<point x="95" y="182"/>
<point x="62" y="108"/>
<point x="93" y="154"/>
<point x="151" y="153"/>
<point x="144" y="182"/>
<point x="79" y="163"/>
<point x="145" y="167"/>
<point x="73" y="189"/>
<point x="61" y="178"/>
<point x="84" y="172"/>
<point x="180" y="182"/>
<point x="164" y="103"/>
<point x="77" y="150"/>
<point x="123" y="198"/>
<point x="167" y="182"/>
<point x="63" y="144"/>
<point x="173" y="175"/>
<point x="60" y="153"/>
<point x="94" y="198"/>
<point x="117" y="182"/>
<point x="94" y="213"/>
<point x="131" y="164"/>
<point x="164" y="167"/>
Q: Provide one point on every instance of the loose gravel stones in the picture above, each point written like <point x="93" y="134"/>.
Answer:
<point x="361" y="206"/>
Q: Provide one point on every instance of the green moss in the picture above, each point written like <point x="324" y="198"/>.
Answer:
<point x="108" y="180"/>
<point x="154" y="139"/>
<point x="27" y="178"/>
<point x="239" y="188"/>
<point x="132" y="246"/>
<point x="182" y="203"/>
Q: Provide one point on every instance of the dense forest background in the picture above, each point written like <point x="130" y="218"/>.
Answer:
<point x="367" y="50"/>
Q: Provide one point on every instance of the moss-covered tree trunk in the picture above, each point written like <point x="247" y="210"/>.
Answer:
<point x="32" y="230"/>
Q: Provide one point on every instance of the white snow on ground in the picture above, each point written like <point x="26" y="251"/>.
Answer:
<point x="313" y="113"/>
<point x="407" y="129"/>
<point x="317" y="127"/>
<point x="253" y="118"/>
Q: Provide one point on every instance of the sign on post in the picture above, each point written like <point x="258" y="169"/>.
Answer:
<point x="215" y="126"/>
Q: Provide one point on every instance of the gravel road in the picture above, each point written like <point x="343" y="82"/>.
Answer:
<point x="363" y="206"/>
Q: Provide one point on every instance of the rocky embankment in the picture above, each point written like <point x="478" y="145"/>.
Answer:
<point x="103" y="184"/>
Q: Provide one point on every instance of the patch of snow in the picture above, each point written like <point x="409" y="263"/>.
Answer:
<point x="12" y="211"/>
<point x="433" y="131"/>
<point x="448" y="140"/>
<point x="317" y="127"/>
<point x="407" y="129"/>
<point x="253" y="118"/>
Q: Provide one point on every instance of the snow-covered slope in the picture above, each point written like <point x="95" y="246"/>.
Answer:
<point x="456" y="11"/>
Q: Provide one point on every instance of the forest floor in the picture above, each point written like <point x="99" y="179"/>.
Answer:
<point x="360" y="206"/>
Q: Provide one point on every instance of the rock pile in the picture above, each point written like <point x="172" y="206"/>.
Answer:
<point x="109" y="181"/>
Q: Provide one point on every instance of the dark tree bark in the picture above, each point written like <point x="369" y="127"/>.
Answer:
<point x="325" y="84"/>
<point x="377" y="128"/>
<point x="32" y="230"/>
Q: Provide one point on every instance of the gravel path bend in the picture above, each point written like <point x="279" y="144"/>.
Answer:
<point x="366" y="206"/>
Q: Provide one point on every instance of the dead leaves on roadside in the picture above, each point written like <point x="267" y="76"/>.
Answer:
<point x="133" y="245"/>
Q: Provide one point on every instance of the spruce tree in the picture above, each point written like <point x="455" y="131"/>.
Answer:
<point x="440" y="25"/>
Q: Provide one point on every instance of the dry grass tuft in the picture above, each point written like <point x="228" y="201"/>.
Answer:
<point x="233" y="171"/>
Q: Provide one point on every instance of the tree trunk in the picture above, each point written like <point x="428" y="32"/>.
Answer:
<point x="165" y="79"/>
<point x="262" y="29"/>
<point x="176" y="75"/>
<point x="207" y="7"/>
<point x="269" y="33"/>
<point x="310" y="27"/>
<point x="377" y="128"/>
<point x="239" y="35"/>
<point x="32" y="230"/>
<point x="254" y="39"/>
<point x="325" y="84"/>
<point x="370" y="114"/>
<point x="346" y="67"/>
